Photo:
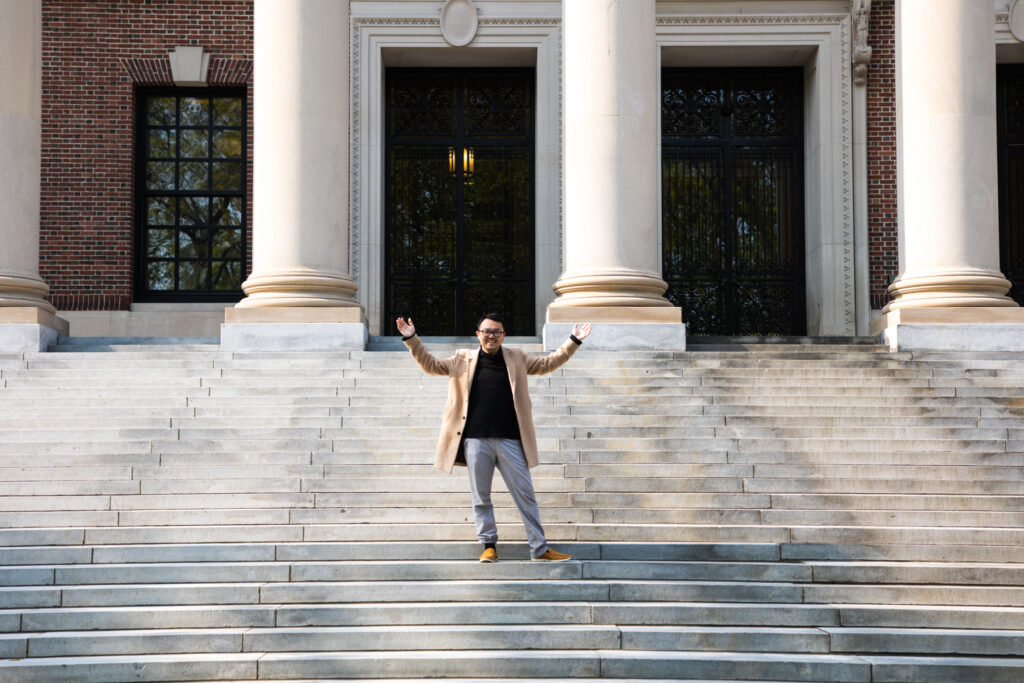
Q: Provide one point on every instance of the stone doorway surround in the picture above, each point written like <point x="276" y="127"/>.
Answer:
<point x="409" y="34"/>
<point x="771" y="34"/>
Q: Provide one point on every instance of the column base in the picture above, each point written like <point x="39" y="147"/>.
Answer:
<point x="952" y="329"/>
<point x="619" y="328"/>
<point x="27" y="329"/>
<point x="612" y="288"/>
<point x="299" y="287"/>
<point x="294" y="329"/>
<point x="24" y="290"/>
<point x="965" y="287"/>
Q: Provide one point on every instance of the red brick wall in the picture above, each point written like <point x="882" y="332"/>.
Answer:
<point x="882" y="228"/>
<point x="87" y="211"/>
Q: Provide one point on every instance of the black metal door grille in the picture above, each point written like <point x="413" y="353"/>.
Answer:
<point x="1011" y="176"/>
<point x="732" y="199"/>
<point x="459" y="198"/>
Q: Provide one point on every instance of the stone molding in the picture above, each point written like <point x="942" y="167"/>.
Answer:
<point x="747" y="19"/>
<point x="370" y="35"/>
<point x="829" y="192"/>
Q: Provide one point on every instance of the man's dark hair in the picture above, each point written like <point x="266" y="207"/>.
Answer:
<point x="496" y="317"/>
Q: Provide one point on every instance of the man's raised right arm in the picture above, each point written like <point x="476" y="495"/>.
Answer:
<point x="429" y="364"/>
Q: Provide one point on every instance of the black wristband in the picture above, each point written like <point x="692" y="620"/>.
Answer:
<point x="573" y="337"/>
<point x="409" y="337"/>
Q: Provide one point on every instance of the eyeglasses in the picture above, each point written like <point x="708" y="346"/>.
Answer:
<point x="492" y="333"/>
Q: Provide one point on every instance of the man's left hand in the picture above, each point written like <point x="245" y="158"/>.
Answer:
<point x="581" y="332"/>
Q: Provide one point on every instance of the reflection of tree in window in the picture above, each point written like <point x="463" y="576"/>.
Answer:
<point x="192" y="205"/>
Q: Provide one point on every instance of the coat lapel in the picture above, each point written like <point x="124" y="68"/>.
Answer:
<point x="510" y="361"/>
<point x="467" y="381"/>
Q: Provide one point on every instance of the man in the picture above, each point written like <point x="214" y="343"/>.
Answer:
<point x="488" y="423"/>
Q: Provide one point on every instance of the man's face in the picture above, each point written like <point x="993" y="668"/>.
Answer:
<point x="490" y="334"/>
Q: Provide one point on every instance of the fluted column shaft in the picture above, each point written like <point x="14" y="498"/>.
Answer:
<point x="20" y="153"/>
<point x="611" y="162"/>
<point x="301" y="156"/>
<point x="947" y="170"/>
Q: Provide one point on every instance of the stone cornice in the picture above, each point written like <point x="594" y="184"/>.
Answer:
<point x="436" y="21"/>
<point x="749" y="19"/>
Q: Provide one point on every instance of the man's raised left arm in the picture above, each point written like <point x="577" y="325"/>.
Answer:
<point x="558" y="357"/>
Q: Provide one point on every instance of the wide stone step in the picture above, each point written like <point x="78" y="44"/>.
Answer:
<point x="326" y="639"/>
<point x="513" y="612"/>
<point x="951" y="573"/>
<point x="539" y="665"/>
<point x="852" y="486"/>
<point x="215" y="532"/>
<point x="808" y="517"/>
<point x="772" y="471"/>
<point x="643" y="425"/>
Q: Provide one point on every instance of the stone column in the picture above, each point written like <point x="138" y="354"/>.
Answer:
<point x="947" y="171"/>
<point x="950" y="293"/>
<point x="300" y="182"/>
<point x="611" y="171"/>
<point x="27" y="321"/>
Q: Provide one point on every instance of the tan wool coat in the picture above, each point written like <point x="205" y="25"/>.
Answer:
<point x="460" y="368"/>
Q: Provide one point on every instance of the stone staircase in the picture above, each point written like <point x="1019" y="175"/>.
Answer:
<point x="742" y="513"/>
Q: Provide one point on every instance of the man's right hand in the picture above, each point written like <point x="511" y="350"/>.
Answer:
<point x="405" y="327"/>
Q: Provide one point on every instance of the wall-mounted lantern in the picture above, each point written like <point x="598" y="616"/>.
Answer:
<point x="467" y="163"/>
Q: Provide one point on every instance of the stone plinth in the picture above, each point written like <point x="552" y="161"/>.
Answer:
<point x="294" y="329"/>
<point x="966" y="328"/>
<point x="28" y="329"/>
<point x="619" y="328"/>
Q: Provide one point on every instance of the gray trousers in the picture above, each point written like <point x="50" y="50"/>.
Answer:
<point x="482" y="456"/>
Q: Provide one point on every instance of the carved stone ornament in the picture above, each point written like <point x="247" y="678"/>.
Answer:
<point x="1017" y="19"/>
<point x="459" y="22"/>
<point x="861" y="10"/>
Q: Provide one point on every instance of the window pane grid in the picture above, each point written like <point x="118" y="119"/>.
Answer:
<point x="192" y="238"/>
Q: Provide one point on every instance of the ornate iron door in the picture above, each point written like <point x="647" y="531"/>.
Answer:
<point x="1011" y="176"/>
<point x="459" y="198"/>
<point x="732" y="199"/>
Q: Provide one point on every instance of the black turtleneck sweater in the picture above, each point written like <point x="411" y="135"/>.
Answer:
<point x="492" y="414"/>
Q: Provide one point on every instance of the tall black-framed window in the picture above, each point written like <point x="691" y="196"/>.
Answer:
<point x="1010" y="81"/>
<point x="191" y="151"/>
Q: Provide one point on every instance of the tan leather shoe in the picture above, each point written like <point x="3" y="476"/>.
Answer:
<point x="551" y="555"/>
<point x="490" y="555"/>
